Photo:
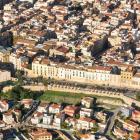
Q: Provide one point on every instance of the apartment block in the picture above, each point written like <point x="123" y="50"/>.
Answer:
<point x="8" y="118"/>
<point x="87" y="101"/>
<point x="86" y="112"/>
<point x="126" y="110"/>
<point x="129" y="125"/>
<point x="54" y="108"/>
<point x="47" y="118"/>
<point x="136" y="115"/>
<point x="71" y="110"/>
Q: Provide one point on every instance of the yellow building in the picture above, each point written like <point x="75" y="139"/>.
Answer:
<point x="4" y="54"/>
<point x="126" y="76"/>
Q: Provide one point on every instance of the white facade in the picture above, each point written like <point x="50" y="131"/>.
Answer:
<point x="17" y="61"/>
<point x="4" y="106"/>
<point x="47" y="118"/>
<point x="55" y="108"/>
<point x="86" y="112"/>
<point x="37" y="117"/>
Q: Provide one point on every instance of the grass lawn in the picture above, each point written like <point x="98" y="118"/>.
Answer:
<point x="66" y="97"/>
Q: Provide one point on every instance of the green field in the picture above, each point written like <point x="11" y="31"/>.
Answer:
<point x="66" y="97"/>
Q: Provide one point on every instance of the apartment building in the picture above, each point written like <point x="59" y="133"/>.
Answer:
<point x="126" y="76"/>
<point x="17" y="59"/>
<point x="5" y="54"/>
<point x="4" y="106"/>
<point x="136" y="115"/>
<point x="47" y="118"/>
<point x="71" y="121"/>
<point x="43" y="107"/>
<point x="41" y="135"/>
<point x="85" y="123"/>
<point x="120" y="133"/>
<point x="71" y="110"/>
<point x="17" y="114"/>
<point x="37" y="117"/>
<point x="102" y="116"/>
<point x="39" y="67"/>
<point x="58" y="119"/>
<point x="5" y="75"/>
<point x="8" y="118"/>
<point x="54" y="108"/>
<point x="87" y="101"/>
<point x="5" y="38"/>
<point x="86" y="112"/>
<point x="29" y="104"/>
<point x="129" y="125"/>
<point x="126" y="110"/>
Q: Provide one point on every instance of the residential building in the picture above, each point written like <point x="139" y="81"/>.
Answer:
<point x="129" y="125"/>
<point x="85" y="123"/>
<point x="5" y="75"/>
<point x="126" y="110"/>
<point x="136" y="115"/>
<point x="88" y="136"/>
<point x="41" y="135"/>
<point x="87" y="101"/>
<point x="119" y="133"/>
<point x="18" y="59"/>
<point x="29" y="104"/>
<point x="47" y="118"/>
<point x="2" y="124"/>
<point x="86" y="112"/>
<point x="54" y="108"/>
<point x="8" y="118"/>
<point x="5" y="38"/>
<point x="7" y="134"/>
<point x="71" y="110"/>
<point x="43" y="107"/>
<point x="102" y="116"/>
<point x="37" y="117"/>
<point x="5" y="54"/>
<point x="4" y="106"/>
<point x="126" y="76"/>
<point x="134" y="136"/>
<point x="58" y="119"/>
<point x="17" y="114"/>
<point x="71" y="121"/>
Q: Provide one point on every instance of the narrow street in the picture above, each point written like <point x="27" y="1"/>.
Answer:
<point x="110" y="123"/>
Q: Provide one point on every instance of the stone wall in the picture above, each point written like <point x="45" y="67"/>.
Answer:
<point x="32" y="88"/>
<point x="65" y="88"/>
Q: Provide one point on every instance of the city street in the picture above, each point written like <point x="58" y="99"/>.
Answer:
<point x="111" y="120"/>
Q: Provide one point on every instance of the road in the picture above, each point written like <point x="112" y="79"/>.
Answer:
<point x="110" y="123"/>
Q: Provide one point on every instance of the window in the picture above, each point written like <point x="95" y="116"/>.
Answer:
<point x="73" y="73"/>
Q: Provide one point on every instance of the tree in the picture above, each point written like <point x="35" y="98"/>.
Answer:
<point x="20" y="80"/>
<point x="18" y="74"/>
<point x="44" y="82"/>
<point x="132" y="137"/>
<point x="77" y="116"/>
<point x="95" y="128"/>
<point x="138" y="96"/>
<point x="34" y="80"/>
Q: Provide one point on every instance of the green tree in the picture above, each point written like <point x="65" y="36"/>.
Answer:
<point x="138" y="96"/>
<point x="22" y="95"/>
<point x="77" y="116"/>
<point x="132" y="137"/>
<point x="20" y="80"/>
<point x="95" y="128"/>
<point x="44" y="82"/>
<point x="18" y="74"/>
